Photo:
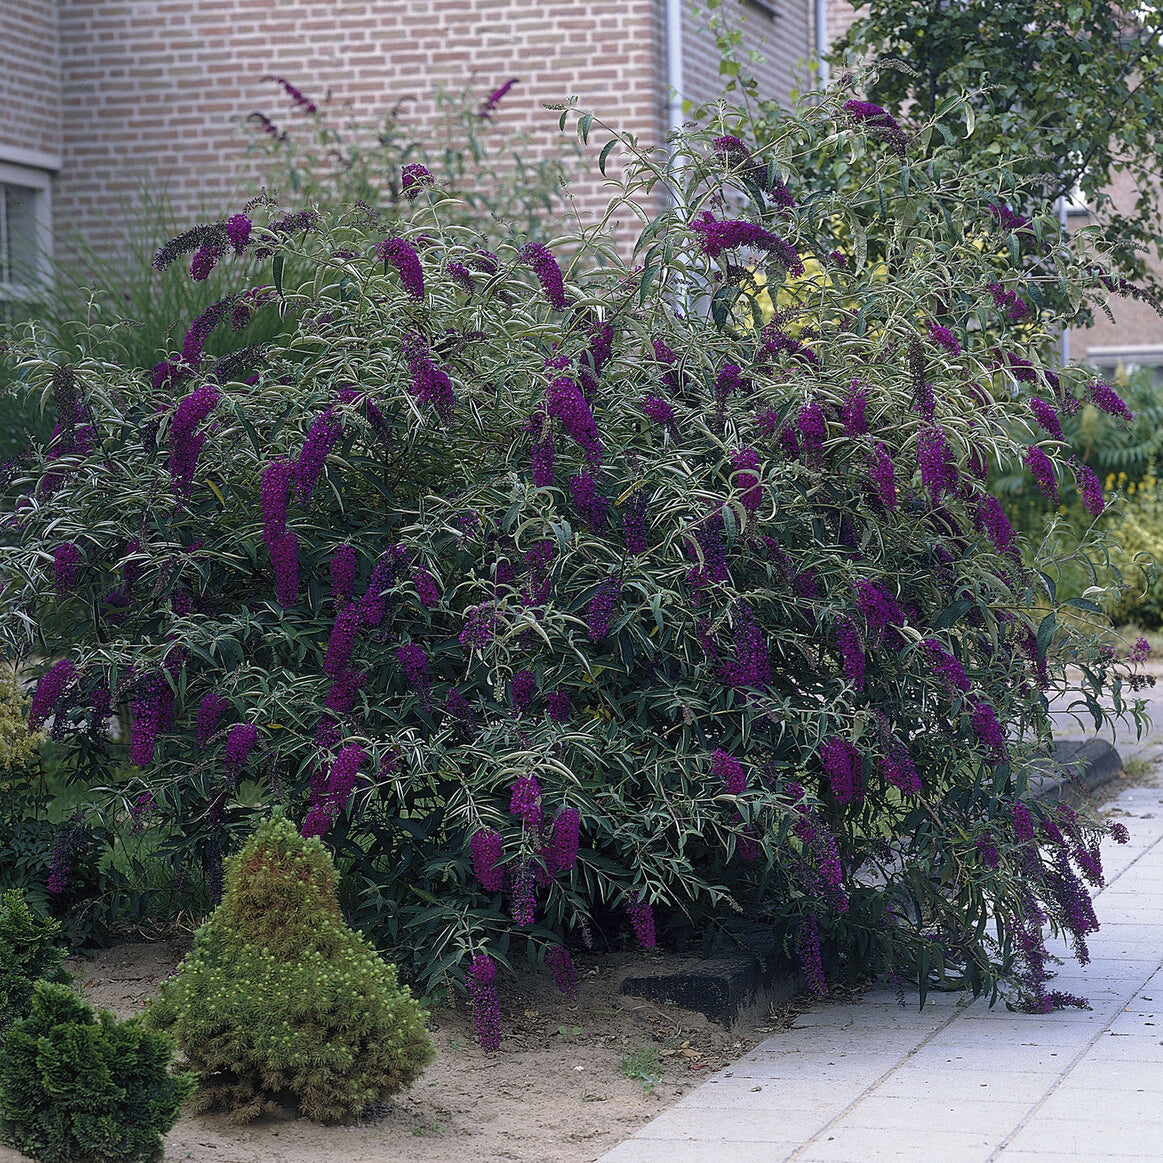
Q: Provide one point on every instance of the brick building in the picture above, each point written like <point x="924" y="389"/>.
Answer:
<point x="103" y="95"/>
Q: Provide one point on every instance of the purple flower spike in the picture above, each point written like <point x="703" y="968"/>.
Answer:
<point x="989" y="731"/>
<point x="525" y="802"/>
<point x="521" y="690"/>
<point x="809" y="956"/>
<point x="276" y="484"/>
<point x="842" y="763"/>
<point x="238" y="228"/>
<point x="745" y="463"/>
<point x="883" y="476"/>
<point x="210" y="710"/>
<point x="880" y="123"/>
<point x="1091" y="490"/>
<point x="945" y="338"/>
<point x="342" y="570"/>
<point x="601" y="609"/>
<point x="898" y="769"/>
<point x="1047" y="417"/>
<point x="426" y="588"/>
<point x="557" y="706"/>
<point x="486" y="1007"/>
<point x="66" y="564"/>
<point x="548" y="274"/>
<point x="1042" y="470"/>
<point x="341" y="643"/>
<point x="561" y="966"/>
<point x="944" y="666"/>
<point x="240" y="742"/>
<point x="996" y="524"/>
<point x="851" y="654"/>
<point x="487" y="849"/>
<point x="727" y="768"/>
<point x="852" y="414"/>
<point x="402" y="255"/>
<point x="49" y="691"/>
<point x="562" y="853"/>
<point x="413" y="178"/>
<point x="414" y="663"/>
<point x="490" y="103"/>
<point x="716" y="236"/>
<point x="938" y="472"/>
<point x="642" y="919"/>
<point x="321" y="438"/>
<point x="284" y="551"/>
<point x="1106" y="398"/>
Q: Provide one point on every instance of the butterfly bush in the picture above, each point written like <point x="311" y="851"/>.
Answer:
<point x="677" y="594"/>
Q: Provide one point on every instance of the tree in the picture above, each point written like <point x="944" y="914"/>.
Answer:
<point x="1074" y="94"/>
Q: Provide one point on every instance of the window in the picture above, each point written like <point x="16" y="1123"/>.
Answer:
<point x="1109" y="361"/>
<point x="25" y="237"/>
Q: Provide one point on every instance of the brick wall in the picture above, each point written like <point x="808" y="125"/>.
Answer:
<point x="154" y="90"/>
<point x="30" y="83"/>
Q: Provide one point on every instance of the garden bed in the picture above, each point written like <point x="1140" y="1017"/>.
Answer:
<point x="571" y="1080"/>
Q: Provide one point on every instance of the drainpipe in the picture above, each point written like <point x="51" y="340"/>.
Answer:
<point x="821" y="30"/>
<point x="674" y="73"/>
<point x="1065" y="344"/>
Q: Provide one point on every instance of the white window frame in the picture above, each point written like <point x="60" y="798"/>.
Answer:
<point x="40" y="181"/>
<point x="1131" y="357"/>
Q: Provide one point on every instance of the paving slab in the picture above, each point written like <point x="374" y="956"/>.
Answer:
<point x="957" y="1082"/>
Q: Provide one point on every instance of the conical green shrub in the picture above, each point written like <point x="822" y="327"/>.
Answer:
<point x="81" y="1087"/>
<point x="281" y="1000"/>
<point x="30" y="951"/>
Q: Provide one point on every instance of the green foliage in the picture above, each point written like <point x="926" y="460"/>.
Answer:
<point x="566" y="600"/>
<point x="280" y="998"/>
<point x="17" y="743"/>
<point x="1064" y="96"/>
<point x="30" y="951"/>
<point x="1138" y="533"/>
<point x="642" y="1066"/>
<point x="80" y="1087"/>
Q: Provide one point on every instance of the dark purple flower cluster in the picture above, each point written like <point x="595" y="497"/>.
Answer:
<point x="198" y="332"/>
<point x="1047" y="417"/>
<point x="561" y="966"/>
<point x="541" y="461"/>
<point x="842" y="764"/>
<point x="521" y="690"/>
<point x="342" y="569"/>
<point x="1119" y="833"/>
<point x="276" y="485"/>
<point x="414" y="663"/>
<point x="987" y="850"/>
<point x="325" y="430"/>
<point x="735" y="153"/>
<point x="71" y="839"/>
<point x="589" y="502"/>
<point x="945" y="338"/>
<point x="634" y="522"/>
<point x="459" y="713"/>
<point x="413" y="178"/>
<point x="374" y="603"/>
<point x="729" y="381"/>
<point x="776" y="343"/>
<point x="991" y="517"/>
<point x="426" y="587"/>
<point x="523" y="907"/>
<point x="728" y="769"/>
<point x="935" y="460"/>
<point x="304" y="103"/>
<point x="565" y="402"/>
<point x="487" y="849"/>
<point x="1140" y="652"/>
<point x="142" y="810"/>
<point x="561" y="853"/>
<point x="548" y="273"/>
<point x="853" y="412"/>
<point x="1008" y="219"/>
<point x="479" y="627"/>
<point x="882" y="475"/>
<point x="601" y="609"/>
<point x="49" y="692"/>
<point x="430" y="382"/>
<point x="525" y="802"/>
<point x="898" y="769"/>
<point x="877" y="122"/>
<point x="461" y="275"/>
<point x="67" y="561"/>
<point x="716" y="236"/>
<point x="851" y="653"/>
<point x="813" y="428"/>
<point x="210" y="710"/>
<point x="808" y="953"/>
<point x="1042" y="470"/>
<point x="984" y="720"/>
<point x="642" y="920"/>
<point x="745" y="463"/>
<point x="538" y="559"/>
<point x="186" y="442"/>
<point x="240" y="742"/>
<point x="557" y="706"/>
<point x="1075" y="906"/>
<point x="1023" y="823"/>
<point x="879" y="608"/>
<point x="343" y="690"/>
<point x="341" y="642"/>
<point x="664" y="355"/>
<point x="490" y="103"/>
<point x="149" y="708"/>
<point x="751" y="665"/>
<point x="238" y="228"/>
<point x="1106" y="398"/>
<point x="486" y="1007"/>
<point x="661" y="413"/>
<point x="1091" y="490"/>
<point x="1009" y="302"/>
<point x="943" y="665"/>
<point x="402" y="255"/>
<point x="284" y="554"/>
<point x="344" y="771"/>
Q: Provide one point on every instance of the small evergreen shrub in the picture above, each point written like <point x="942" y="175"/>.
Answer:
<point x="279" y="998"/>
<point x="30" y="951"/>
<point x="17" y="742"/>
<point x="82" y="1087"/>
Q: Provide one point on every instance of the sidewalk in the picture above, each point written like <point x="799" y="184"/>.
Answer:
<point x="958" y="1082"/>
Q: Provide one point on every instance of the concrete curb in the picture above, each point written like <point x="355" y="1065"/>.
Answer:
<point x="749" y="982"/>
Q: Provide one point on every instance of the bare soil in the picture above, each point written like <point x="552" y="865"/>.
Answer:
<point x="557" y="1091"/>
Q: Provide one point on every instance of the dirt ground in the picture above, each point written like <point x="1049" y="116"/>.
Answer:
<point x="557" y="1091"/>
